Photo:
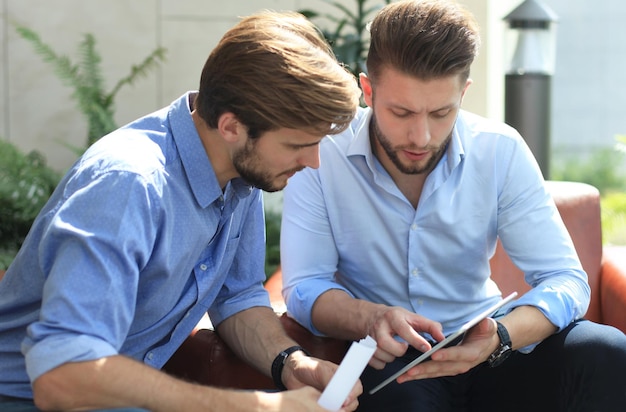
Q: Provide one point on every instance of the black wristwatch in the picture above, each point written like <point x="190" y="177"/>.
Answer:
<point x="279" y="364"/>
<point x="503" y="351"/>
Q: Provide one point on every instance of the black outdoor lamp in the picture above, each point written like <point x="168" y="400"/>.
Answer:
<point x="528" y="80"/>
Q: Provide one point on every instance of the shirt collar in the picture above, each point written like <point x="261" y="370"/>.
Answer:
<point x="456" y="148"/>
<point x="196" y="163"/>
<point x="361" y="145"/>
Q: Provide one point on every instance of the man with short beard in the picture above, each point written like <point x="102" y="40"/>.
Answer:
<point x="161" y="221"/>
<point x="391" y="237"/>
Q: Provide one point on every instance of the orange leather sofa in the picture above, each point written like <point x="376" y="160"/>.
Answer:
<point x="204" y="358"/>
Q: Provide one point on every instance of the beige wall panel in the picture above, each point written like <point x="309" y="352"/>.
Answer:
<point x="220" y="8"/>
<point x="189" y="43"/>
<point x="41" y="109"/>
<point x="474" y="99"/>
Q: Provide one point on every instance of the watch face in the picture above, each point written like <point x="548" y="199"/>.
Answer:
<point x="499" y="356"/>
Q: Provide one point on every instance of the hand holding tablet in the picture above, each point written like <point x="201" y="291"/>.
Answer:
<point x="450" y="340"/>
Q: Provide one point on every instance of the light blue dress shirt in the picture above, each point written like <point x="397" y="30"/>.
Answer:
<point x="134" y="246"/>
<point x="347" y="226"/>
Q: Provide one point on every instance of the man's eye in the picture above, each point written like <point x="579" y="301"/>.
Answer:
<point x="441" y="114"/>
<point x="401" y="114"/>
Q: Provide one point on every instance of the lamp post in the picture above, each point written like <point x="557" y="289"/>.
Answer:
<point x="527" y="86"/>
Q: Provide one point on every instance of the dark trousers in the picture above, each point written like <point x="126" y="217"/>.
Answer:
<point x="580" y="369"/>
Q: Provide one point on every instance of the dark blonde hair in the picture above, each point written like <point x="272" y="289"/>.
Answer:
<point x="427" y="39"/>
<point x="275" y="70"/>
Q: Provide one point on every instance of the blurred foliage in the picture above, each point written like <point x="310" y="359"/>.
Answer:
<point x="348" y="38"/>
<point x="26" y="183"/>
<point x="604" y="168"/>
<point x="620" y="144"/>
<point x="272" y="253"/>
<point x="613" y="206"/>
<point x="95" y="103"/>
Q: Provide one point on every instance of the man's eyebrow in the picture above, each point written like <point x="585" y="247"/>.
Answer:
<point x="406" y="109"/>
<point x="446" y="107"/>
<point x="305" y="144"/>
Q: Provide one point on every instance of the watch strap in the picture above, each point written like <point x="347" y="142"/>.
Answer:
<point x="503" y="334"/>
<point x="279" y="364"/>
<point x="504" y="350"/>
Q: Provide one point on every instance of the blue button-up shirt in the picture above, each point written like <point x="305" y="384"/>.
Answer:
<point x="347" y="226"/>
<point x="134" y="246"/>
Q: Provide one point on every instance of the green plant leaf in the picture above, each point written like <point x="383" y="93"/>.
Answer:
<point x="309" y="14"/>
<point x="140" y="70"/>
<point x="62" y="65"/>
<point x="87" y="81"/>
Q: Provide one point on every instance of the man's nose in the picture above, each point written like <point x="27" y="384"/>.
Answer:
<point x="311" y="157"/>
<point x="419" y="133"/>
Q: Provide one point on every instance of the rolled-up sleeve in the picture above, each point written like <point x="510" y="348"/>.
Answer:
<point x="91" y="252"/>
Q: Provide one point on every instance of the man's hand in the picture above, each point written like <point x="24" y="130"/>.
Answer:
<point x="478" y="343"/>
<point x="257" y="335"/>
<point x="395" y="328"/>
<point x="339" y="315"/>
<point x="301" y="370"/>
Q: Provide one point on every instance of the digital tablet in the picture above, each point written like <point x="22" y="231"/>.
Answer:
<point x="450" y="340"/>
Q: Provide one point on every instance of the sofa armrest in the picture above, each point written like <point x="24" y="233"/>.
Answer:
<point x="206" y="359"/>
<point x="613" y="287"/>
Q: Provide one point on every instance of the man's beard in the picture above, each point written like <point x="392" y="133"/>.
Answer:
<point x="250" y="168"/>
<point x="392" y="152"/>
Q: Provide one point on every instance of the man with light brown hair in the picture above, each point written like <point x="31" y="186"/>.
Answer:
<point x="162" y="221"/>
<point x="391" y="237"/>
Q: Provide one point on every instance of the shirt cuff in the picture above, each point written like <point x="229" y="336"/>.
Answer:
<point x="301" y="299"/>
<point x="57" y="350"/>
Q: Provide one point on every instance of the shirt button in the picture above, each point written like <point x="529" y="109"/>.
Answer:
<point x="415" y="273"/>
<point x="414" y="226"/>
<point x="203" y="267"/>
<point x="150" y="356"/>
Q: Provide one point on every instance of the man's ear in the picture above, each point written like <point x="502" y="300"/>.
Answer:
<point x="467" y="85"/>
<point x="366" y="86"/>
<point x="230" y="127"/>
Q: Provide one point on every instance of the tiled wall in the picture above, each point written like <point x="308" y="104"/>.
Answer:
<point x="36" y="108"/>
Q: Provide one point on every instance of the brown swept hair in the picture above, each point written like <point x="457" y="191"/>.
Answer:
<point x="275" y="70"/>
<point x="427" y="39"/>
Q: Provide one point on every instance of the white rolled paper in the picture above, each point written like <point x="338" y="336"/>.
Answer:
<point x="347" y="374"/>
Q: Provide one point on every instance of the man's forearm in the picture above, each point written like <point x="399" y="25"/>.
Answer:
<point x="527" y="325"/>
<point x="337" y="314"/>
<point x="256" y="335"/>
<point x="118" y="381"/>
